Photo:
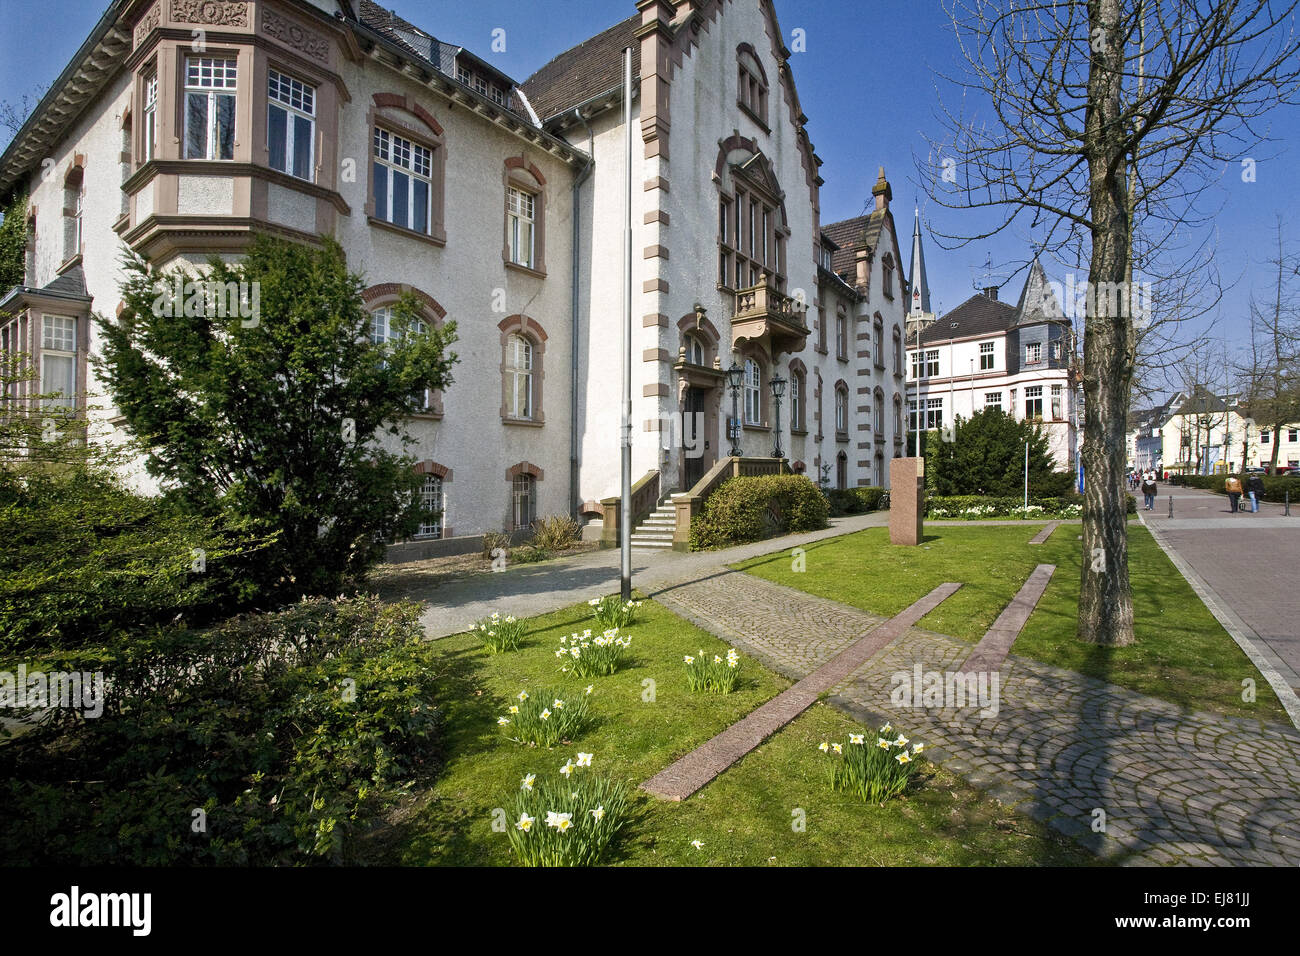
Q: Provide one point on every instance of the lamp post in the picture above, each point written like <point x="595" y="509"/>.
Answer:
<point x="777" y="384"/>
<point x="735" y="375"/>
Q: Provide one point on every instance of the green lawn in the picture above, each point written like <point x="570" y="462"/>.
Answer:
<point x="743" y="818"/>
<point x="1182" y="654"/>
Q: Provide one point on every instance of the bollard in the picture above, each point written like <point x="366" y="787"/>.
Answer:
<point x="1287" y="512"/>
<point x="1171" y="506"/>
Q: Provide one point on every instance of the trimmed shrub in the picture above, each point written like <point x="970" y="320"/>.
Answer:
<point x="853" y="501"/>
<point x="293" y="732"/>
<point x="556" y="532"/>
<point x="754" y="508"/>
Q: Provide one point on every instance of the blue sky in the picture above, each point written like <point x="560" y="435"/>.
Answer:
<point x="867" y="82"/>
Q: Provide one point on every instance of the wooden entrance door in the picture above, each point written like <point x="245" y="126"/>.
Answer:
<point x="693" y="437"/>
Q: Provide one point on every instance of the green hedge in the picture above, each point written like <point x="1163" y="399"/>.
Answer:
<point x="977" y="507"/>
<point x="292" y="732"/>
<point x="1275" y="486"/>
<point x="751" y="509"/>
<point x="853" y="501"/>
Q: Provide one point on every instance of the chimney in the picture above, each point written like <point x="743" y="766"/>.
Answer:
<point x="991" y="291"/>
<point x="862" y="266"/>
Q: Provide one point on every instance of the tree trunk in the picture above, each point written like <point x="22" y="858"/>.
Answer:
<point x="1105" y="600"/>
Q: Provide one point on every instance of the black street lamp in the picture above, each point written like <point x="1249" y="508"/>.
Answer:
<point x="735" y="375"/>
<point x="777" y="385"/>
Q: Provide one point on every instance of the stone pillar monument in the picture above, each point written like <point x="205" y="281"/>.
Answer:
<point x="906" y="500"/>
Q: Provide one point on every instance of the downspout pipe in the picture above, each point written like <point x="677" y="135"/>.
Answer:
<point x="575" y="500"/>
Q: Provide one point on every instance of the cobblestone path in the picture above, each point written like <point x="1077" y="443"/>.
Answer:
<point x="1174" y="787"/>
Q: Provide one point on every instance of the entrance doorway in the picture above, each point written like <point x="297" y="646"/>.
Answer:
<point x="693" y="432"/>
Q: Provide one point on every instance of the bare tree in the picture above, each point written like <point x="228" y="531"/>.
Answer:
<point x="1269" y="367"/>
<point x="1107" y="121"/>
<point x="13" y="114"/>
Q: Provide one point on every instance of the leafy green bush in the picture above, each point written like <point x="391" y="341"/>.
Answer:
<point x="1276" y="487"/>
<point x="291" y="732"/>
<point x="754" y="508"/>
<point x="852" y="501"/>
<point x="500" y="634"/>
<point x="874" y="770"/>
<point x="546" y="717"/>
<point x="556" y="532"/>
<point x="529" y="554"/>
<point x="986" y="456"/>
<point x="569" y="822"/>
<point x="85" y="560"/>
<point x="717" y="676"/>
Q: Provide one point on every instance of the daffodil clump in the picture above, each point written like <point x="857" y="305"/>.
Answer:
<point x="568" y="820"/>
<point x="500" y="633"/>
<point x="713" y="674"/>
<point x="613" y="612"/>
<point x="875" y="769"/>
<point x="545" y="717"/>
<point x="588" y="656"/>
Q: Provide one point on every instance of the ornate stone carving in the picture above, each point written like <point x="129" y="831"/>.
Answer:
<point x="289" y="33"/>
<point x="221" y="13"/>
<point x="148" y="24"/>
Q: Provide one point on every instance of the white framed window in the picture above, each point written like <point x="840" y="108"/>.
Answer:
<point x="1054" y="350"/>
<point x="933" y="413"/>
<point x="403" y="177"/>
<point x="464" y="75"/>
<point x="986" y="356"/>
<point x="1033" y="352"/>
<point x="753" y="393"/>
<point x="1058" y="396"/>
<point x="291" y="125"/>
<point x="1034" y="401"/>
<point x="524" y="501"/>
<point x="498" y="96"/>
<point x="521" y="223"/>
<point x="1263" y="436"/>
<point x="1292" y="433"/>
<point x="431" y="499"/>
<point x="694" y="350"/>
<point x="73" y="200"/>
<point x="993" y="400"/>
<point x="382" y="332"/>
<point x="841" y="410"/>
<point x="519" y="376"/>
<point x="210" y="84"/>
<point x="150" y="115"/>
<point x="58" y="360"/>
<point x="480" y="85"/>
<point x="878" y="345"/>
<point x="841" y="336"/>
<point x="925" y="364"/>
<point x="796" y="400"/>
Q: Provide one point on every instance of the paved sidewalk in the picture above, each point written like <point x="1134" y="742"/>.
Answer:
<point x="527" y="590"/>
<point x="1195" y="789"/>
<point x="1246" y="563"/>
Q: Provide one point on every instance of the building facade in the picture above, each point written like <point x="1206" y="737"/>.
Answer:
<point x="987" y="353"/>
<point x="182" y="129"/>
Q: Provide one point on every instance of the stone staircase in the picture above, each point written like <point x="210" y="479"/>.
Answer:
<point x="656" y="532"/>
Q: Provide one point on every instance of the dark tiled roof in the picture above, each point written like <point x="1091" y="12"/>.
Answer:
<point x="978" y="315"/>
<point x="592" y="67"/>
<point x="1202" y="402"/>
<point x="72" y="282"/>
<point x="851" y="235"/>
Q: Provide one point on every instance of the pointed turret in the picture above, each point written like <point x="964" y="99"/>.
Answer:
<point x="919" y="284"/>
<point x="1038" y="302"/>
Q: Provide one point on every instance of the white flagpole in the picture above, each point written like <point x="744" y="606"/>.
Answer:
<point x="625" y="512"/>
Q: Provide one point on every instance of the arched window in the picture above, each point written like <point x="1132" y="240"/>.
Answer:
<point x="753" y="393"/>
<point x="751" y="91"/>
<point x="696" y="352"/>
<point x="898" y="417"/>
<point x="523" y="478"/>
<point x="432" y="501"/>
<point x="841" y="335"/>
<point x="519" y="376"/>
<point x="841" y="411"/>
<point x="878" y="418"/>
<point x="383" y="330"/>
<point x="752" y="227"/>
<point x="525" y="241"/>
<point x="798" y="400"/>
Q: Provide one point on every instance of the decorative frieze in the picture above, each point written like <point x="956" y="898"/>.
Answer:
<point x="291" y="34"/>
<point x="148" y="24"/>
<point x="217" y="13"/>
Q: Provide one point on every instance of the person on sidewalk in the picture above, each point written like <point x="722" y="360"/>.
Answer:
<point x="1149" y="490"/>
<point x="1255" y="488"/>
<point x="1233" y="487"/>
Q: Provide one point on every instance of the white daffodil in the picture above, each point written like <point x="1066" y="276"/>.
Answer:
<point x="544" y="714"/>
<point x="514" y="708"/>
<point x="528" y="782"/>
<point x="584" y="760"/>
<point x="599" y="813"/>
<point x="903" y="757"/>
<point x="917" y="748"/>
<point x="525" y="822"/>
<point x="590" y="688"/>
<point x="564" y="821"/>
<point x="717" y="659"/>
<point x="857" y="738"/>
<point x="901" y="741"/>
<point x="567" y="768"/>
<point x="823" y="746"/>
<point x="688" y="659"/>
<point x="887" y="728"/>
<point x="882" y="743"/>
<point x="503" y="721"/>
<point x="838" y="748"/>
<point x="523" y="695"/>
<point x="697" y="844"/>
<point x="552" y="818"/>
<point x="557" y="704"/>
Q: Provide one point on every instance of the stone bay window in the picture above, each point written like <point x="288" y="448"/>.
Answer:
<point x="210" y="85"/>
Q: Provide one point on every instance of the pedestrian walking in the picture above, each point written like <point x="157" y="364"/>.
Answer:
<point x="1233" y="487"/>
<point x="1149" y="489"/>
<point x="1255" y="488"/>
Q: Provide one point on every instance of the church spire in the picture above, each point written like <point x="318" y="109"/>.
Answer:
<point x="920" y="286"/>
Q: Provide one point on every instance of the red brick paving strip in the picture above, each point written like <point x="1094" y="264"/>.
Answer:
<point x="994" y="646"/>
<point x="1042" y="536"/>
<point x="687" y="775"/>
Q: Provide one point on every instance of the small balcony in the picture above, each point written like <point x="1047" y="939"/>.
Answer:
<point x="764" y="314"/>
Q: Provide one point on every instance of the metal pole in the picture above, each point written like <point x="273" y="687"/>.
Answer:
<point x="1026" y="479"/>
<point x="625" y="513"/>
<point x="1171" y="506"/>
<point x="1287" y="512"/>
